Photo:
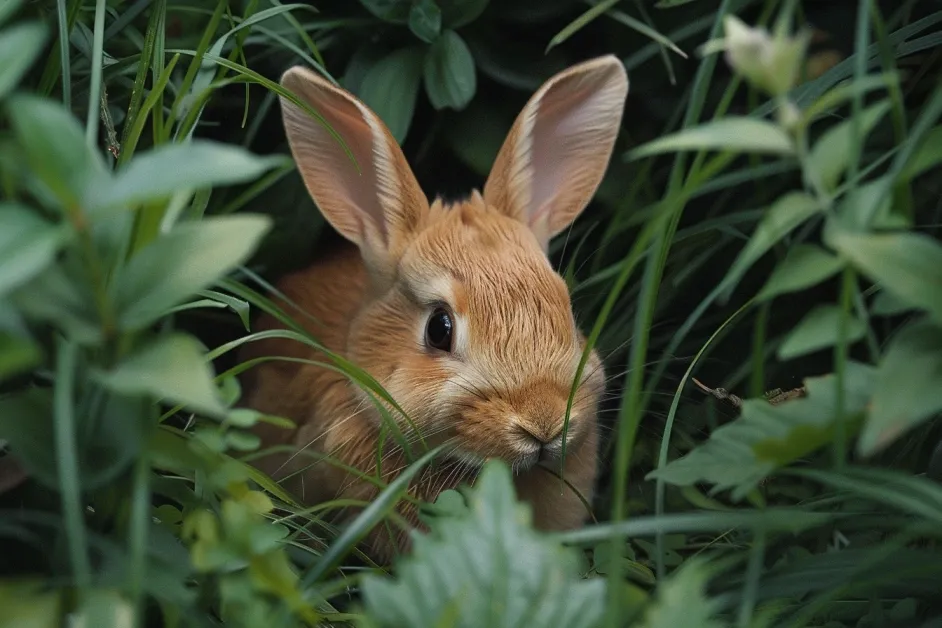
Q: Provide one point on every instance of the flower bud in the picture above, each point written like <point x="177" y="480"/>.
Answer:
<point x="770" y="63"/>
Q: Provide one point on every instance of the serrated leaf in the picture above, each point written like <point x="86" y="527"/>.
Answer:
<point x="425" y="20"/>
<point x="906" y="391"/>
<point x="450" y="78"/>
<point x="19" y="46"/>
<point x="28" y="244"/>
<point x="732" y="133"/>
<point x="904" y="264"/>
<point x="805" y="265"/>
<point x="174" y="369"/>
<point x="682" y="600"/>
<point x="830" y="155"/>
<point x="818" y="330"/>
<point x="486" y="568"/>
<point x="458" y="13"/>
<point x="391" y="87"/>
<point x="179" y="263"/>
<point x="740" y="454"/>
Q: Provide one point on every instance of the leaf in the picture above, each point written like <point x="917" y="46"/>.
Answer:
<point x="732" y="133"/>
<point x="30" y="603"/>
<point x="425" y="20"/>
<point x="682" y="600"/>
<point x="486" y="567"/>
<point x="26" y="423"/>
<point x="239" y="306"/>
<point x="458" y="13"/>
<point x="19" y="46"/>
<point x="173" y="368"/>
<point x="740" y="454"/>
<point x="927" y="157"/>
<point x="60" y="295"/>
<point x="179" y="263"/>
<point x="669" y="4"/>
<point x="830" y="155"/>
<point x="450" y="78"/>
<point x="784" y="215"/>
<point x="8" y="8"/>
<point x="391" y="87"/>
<point x="395" y="11"/>
<point x="818" y="330"/>
<point x="54" y="148"/>
<point x="904" y="264"/>
<point x="17" y="355"/>
<point x="169" y="168"/>
<point x="906" y="391"/>
<point x="805" y="265"/>
<point x="28" y="244"/>
<point x="886" y="304"/>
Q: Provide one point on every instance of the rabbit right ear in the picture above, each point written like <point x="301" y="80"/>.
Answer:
<point x="378" y="207"/>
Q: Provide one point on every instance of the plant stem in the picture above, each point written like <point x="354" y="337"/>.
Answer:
<point x="94" y="90"/>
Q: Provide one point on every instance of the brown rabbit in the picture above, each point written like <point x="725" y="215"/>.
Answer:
<point x="454" y="309"/>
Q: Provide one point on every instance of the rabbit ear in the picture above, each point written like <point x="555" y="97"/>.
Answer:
<point x="376" y="202"/>
<point x="559" y="147"/>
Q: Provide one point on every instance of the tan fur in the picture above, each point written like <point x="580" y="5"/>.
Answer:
<point x="516" y="345"/>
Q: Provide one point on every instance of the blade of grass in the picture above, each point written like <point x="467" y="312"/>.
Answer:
<point x="94" y="91"/>
<point x="154" y="25"/>
<point x="63" y="20"/>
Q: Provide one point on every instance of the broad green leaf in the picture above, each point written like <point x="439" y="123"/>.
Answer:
<point x="469" y="571"/>
<point x="26" y="424"/>
<point x="682" y="600"/>
<point x="907" y="390"/>
<point x="904" y="264"/>
<point x="30" y="603"/>
<point x="103" y="607"/>
<point x="28" y="244"/>
<point x="450" y="78"/>
<point x="391" y="87"/>
<point x="54" y="148"/>
<point x="887" y="304"/>
<point x="425" y="20"/>
<point x="458" y="13"/>
<point x="169" y="168"/>
<point x="805" y="265"/>
<point x="17" y="354"/>
<point x="61" y="295"/>
<point x="19" y="46"/>
<point x="395" y="11"/>
<point x="830" y="155"/>
<point x="819" y="330"/>
<point x="740" y="454"/>
<point x="928" y="156"/>
<point x="732" y="133"/>
<point x="784" y="215"/>
<point x="179" y="263"/>
<point x="8" y="8"/>
<point x="173" y="368"/>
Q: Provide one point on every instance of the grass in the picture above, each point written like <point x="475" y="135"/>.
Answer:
<point x="126" y="493"/>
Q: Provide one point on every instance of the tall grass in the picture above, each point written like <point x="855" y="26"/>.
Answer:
<point x="761" y="270"/>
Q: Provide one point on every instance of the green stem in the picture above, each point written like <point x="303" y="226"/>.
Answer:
<point x="94" y="90"/>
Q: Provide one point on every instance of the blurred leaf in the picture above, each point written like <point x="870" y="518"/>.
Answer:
<point x="732" y="133"/>
<point x="60" y="295"/>
<point x="54" y="147"/>
<point x="19" y="46"/>
<point x="830" y="155"/>
<point x="450" y="79"/>
<point x="581" y="22"/>
<point x="165" y="170"/>
<point x="786" y="213"/>
<point x="905" y="264"/>
<point x="669" y="4"/>
<point x="173" y="368"/>
<point x="425" y="20"/>
<point x="391" y="87"/>
<point x="906" y="391"/>
<point x="26" y="423"/>
<point x="805" y="265"/>
<point x="28" y="244"/>
<point x="887" y="304"/>
<point x="179" y="263"/>
<point x="29" y="603"/>
<point x="819" y="330"/>
<point x="682" y="600"/>
<point x="396" y="11"/>
<point x="740" y="454"/>
<point x="458" y="13"/>
<point x="103" y="607"/>
<point x="471" y="561"/>
<point x="17" y="355"/>
<point x="8" y="8"/>
<point x="510" y="63"/>
<point x="928" y="156"/>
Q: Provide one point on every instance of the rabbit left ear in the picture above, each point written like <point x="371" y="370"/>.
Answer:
<point x="558" y="149"/>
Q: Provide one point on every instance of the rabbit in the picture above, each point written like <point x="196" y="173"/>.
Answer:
<point x="454" y="308"/>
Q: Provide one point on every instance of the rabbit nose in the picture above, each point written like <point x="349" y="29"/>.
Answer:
<point x="543" y="437"/>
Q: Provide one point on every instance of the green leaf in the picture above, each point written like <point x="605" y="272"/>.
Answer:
<point x="819" y="330"/>
<point x="887" y="304"/>
<point x="478" y="579"/>
<point x="928" y="156"/>
<point x="26" y="423"/>
<point x="458" y="13"/>
<point x="682" y="600"/>
<point x="732" y="133"/>
<point x="19" y="46"/>
<point x="805" y="265"/>
<point x="28" y="244"/>
<point x="169" y="168"/>
<point x="391" y="87"/>
<point x="239" y="306"/>
<point x="905" y="264"/>
<point x="784" y="215"/>
<point x="173" y="368"/>
<point x="425" y="20"/>
<point x="395" y="11"/>
<point x="60" y="295"/>
<point x="28" y="603"/>
<point x="740" y="454"/>
<point x="54" y="148"/>
<point x="830" y="155"/>
<point x="179" y="263"/>
<point x="8" y="8"/>
<point x="450" y="78"/>
<point x="907" y="390"/>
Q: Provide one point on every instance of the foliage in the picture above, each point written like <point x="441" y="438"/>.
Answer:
<point x="770" y="220"/>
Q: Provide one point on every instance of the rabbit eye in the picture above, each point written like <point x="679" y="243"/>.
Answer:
<point x="439" y="329"/>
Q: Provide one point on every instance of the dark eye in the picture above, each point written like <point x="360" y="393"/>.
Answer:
<point x="438" y="330"/>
